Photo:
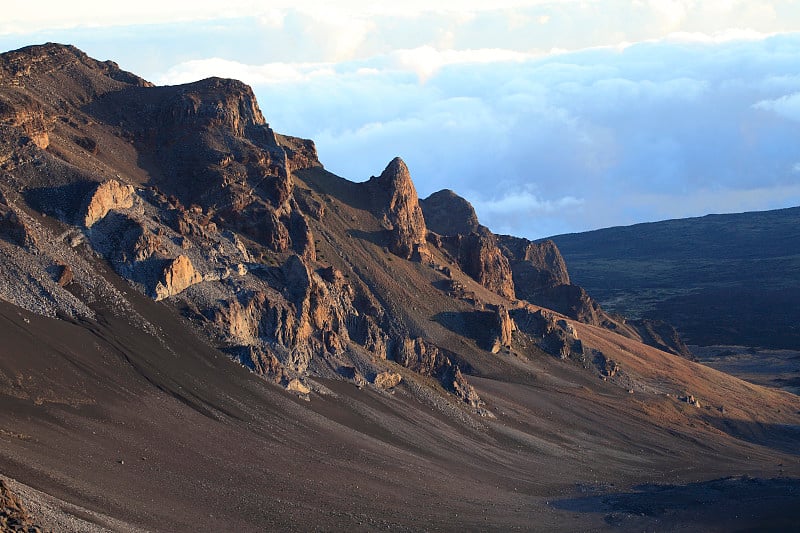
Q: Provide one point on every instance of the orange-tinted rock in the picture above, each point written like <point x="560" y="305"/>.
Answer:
<point x="295" y="385"/>
<point x="535" y="265"/>
<point x="471" y="245"/>
<point x="13" y="514"/>
<point x="482" y="260"/>
<point x="387" y="380"/>
<point x="553" y="335"/>
<point x="179" y="275"/>
<point x="425" y="358"/>
<point x="419" y="356"/>
<point x="108" y="195"/>
<point x="66" y="276"/>
<point x="503" y="329"/>
<point x="395" y="201"/>
<point x="27" y="116"/>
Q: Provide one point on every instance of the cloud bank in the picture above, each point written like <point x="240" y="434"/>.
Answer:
<point x="682" y="126"/>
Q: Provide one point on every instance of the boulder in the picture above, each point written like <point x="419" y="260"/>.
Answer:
<point x="108" y="195"/>
<point x="295" y="385"/>
<point x="179" y="274"/>
<point x="66" y="276"/>
<point x="387" y="380"/>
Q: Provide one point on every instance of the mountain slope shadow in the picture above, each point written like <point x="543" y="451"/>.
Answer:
<point x="475" y="325"/>
<point x="726" y="504"/>
<point x="782" y="437"/>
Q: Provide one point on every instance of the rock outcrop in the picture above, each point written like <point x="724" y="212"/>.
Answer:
<point x="503" y="329"/>
<point x="425" y="358"/>
<point x="302" y="315"/>
<point x="395" y="202"/>
<point x="27" y="116"/>
<point x="541" y="277"/>
<point x="215" y="103"/>
<point x="535" y="265"/>
<point x="551" y="334"/>
<point x="108" y="195"/>
<point x="472" y="246"/>
<point x="14" y="516"/>
<point x="481" y="259"/>
<point x="179" y="274"/>
<point x="608" y="368"/>
<point x="447" y="213"/>
<point x="295" y="385"/>
<point x="387" y="380"/>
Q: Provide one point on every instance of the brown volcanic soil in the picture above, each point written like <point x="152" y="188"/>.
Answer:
<point x="105" y="417"/>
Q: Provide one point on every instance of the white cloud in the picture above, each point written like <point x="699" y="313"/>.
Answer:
<point x="569" y="142"/>
<point x="426" y="60"/>
<point x="787" y="106"/>
<point x="717" y="37"/>
<point x="525" y="202"/>
<point x="271" y="73"/>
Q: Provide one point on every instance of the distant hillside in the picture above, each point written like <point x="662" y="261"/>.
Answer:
<point x="720" y="279"/>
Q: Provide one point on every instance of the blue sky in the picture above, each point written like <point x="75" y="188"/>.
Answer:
<point x="549" y="116"/>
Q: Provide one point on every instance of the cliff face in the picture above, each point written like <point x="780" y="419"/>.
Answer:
<point x="395" y="202"/>
<point x="479" y="256"/>
<point x="471" y="245"/>
<point x="536" y="265"/>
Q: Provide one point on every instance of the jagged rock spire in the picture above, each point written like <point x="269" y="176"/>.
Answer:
<point x="395" y="200"/>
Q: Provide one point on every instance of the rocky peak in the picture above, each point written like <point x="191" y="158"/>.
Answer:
<point x="536" y="266"/>
<point x="78" y="77"/>
<point x="217" y="103"/>
<point x="471" y="245"/>
<point x="395" y="201"/>
<point x="447" y="213"/>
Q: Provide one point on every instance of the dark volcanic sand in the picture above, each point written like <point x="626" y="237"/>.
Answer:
<point x="118" y="426"/>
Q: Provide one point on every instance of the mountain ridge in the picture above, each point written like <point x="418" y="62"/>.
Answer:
<point x="152" y="238"/>
<point x="740" y="265"/>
